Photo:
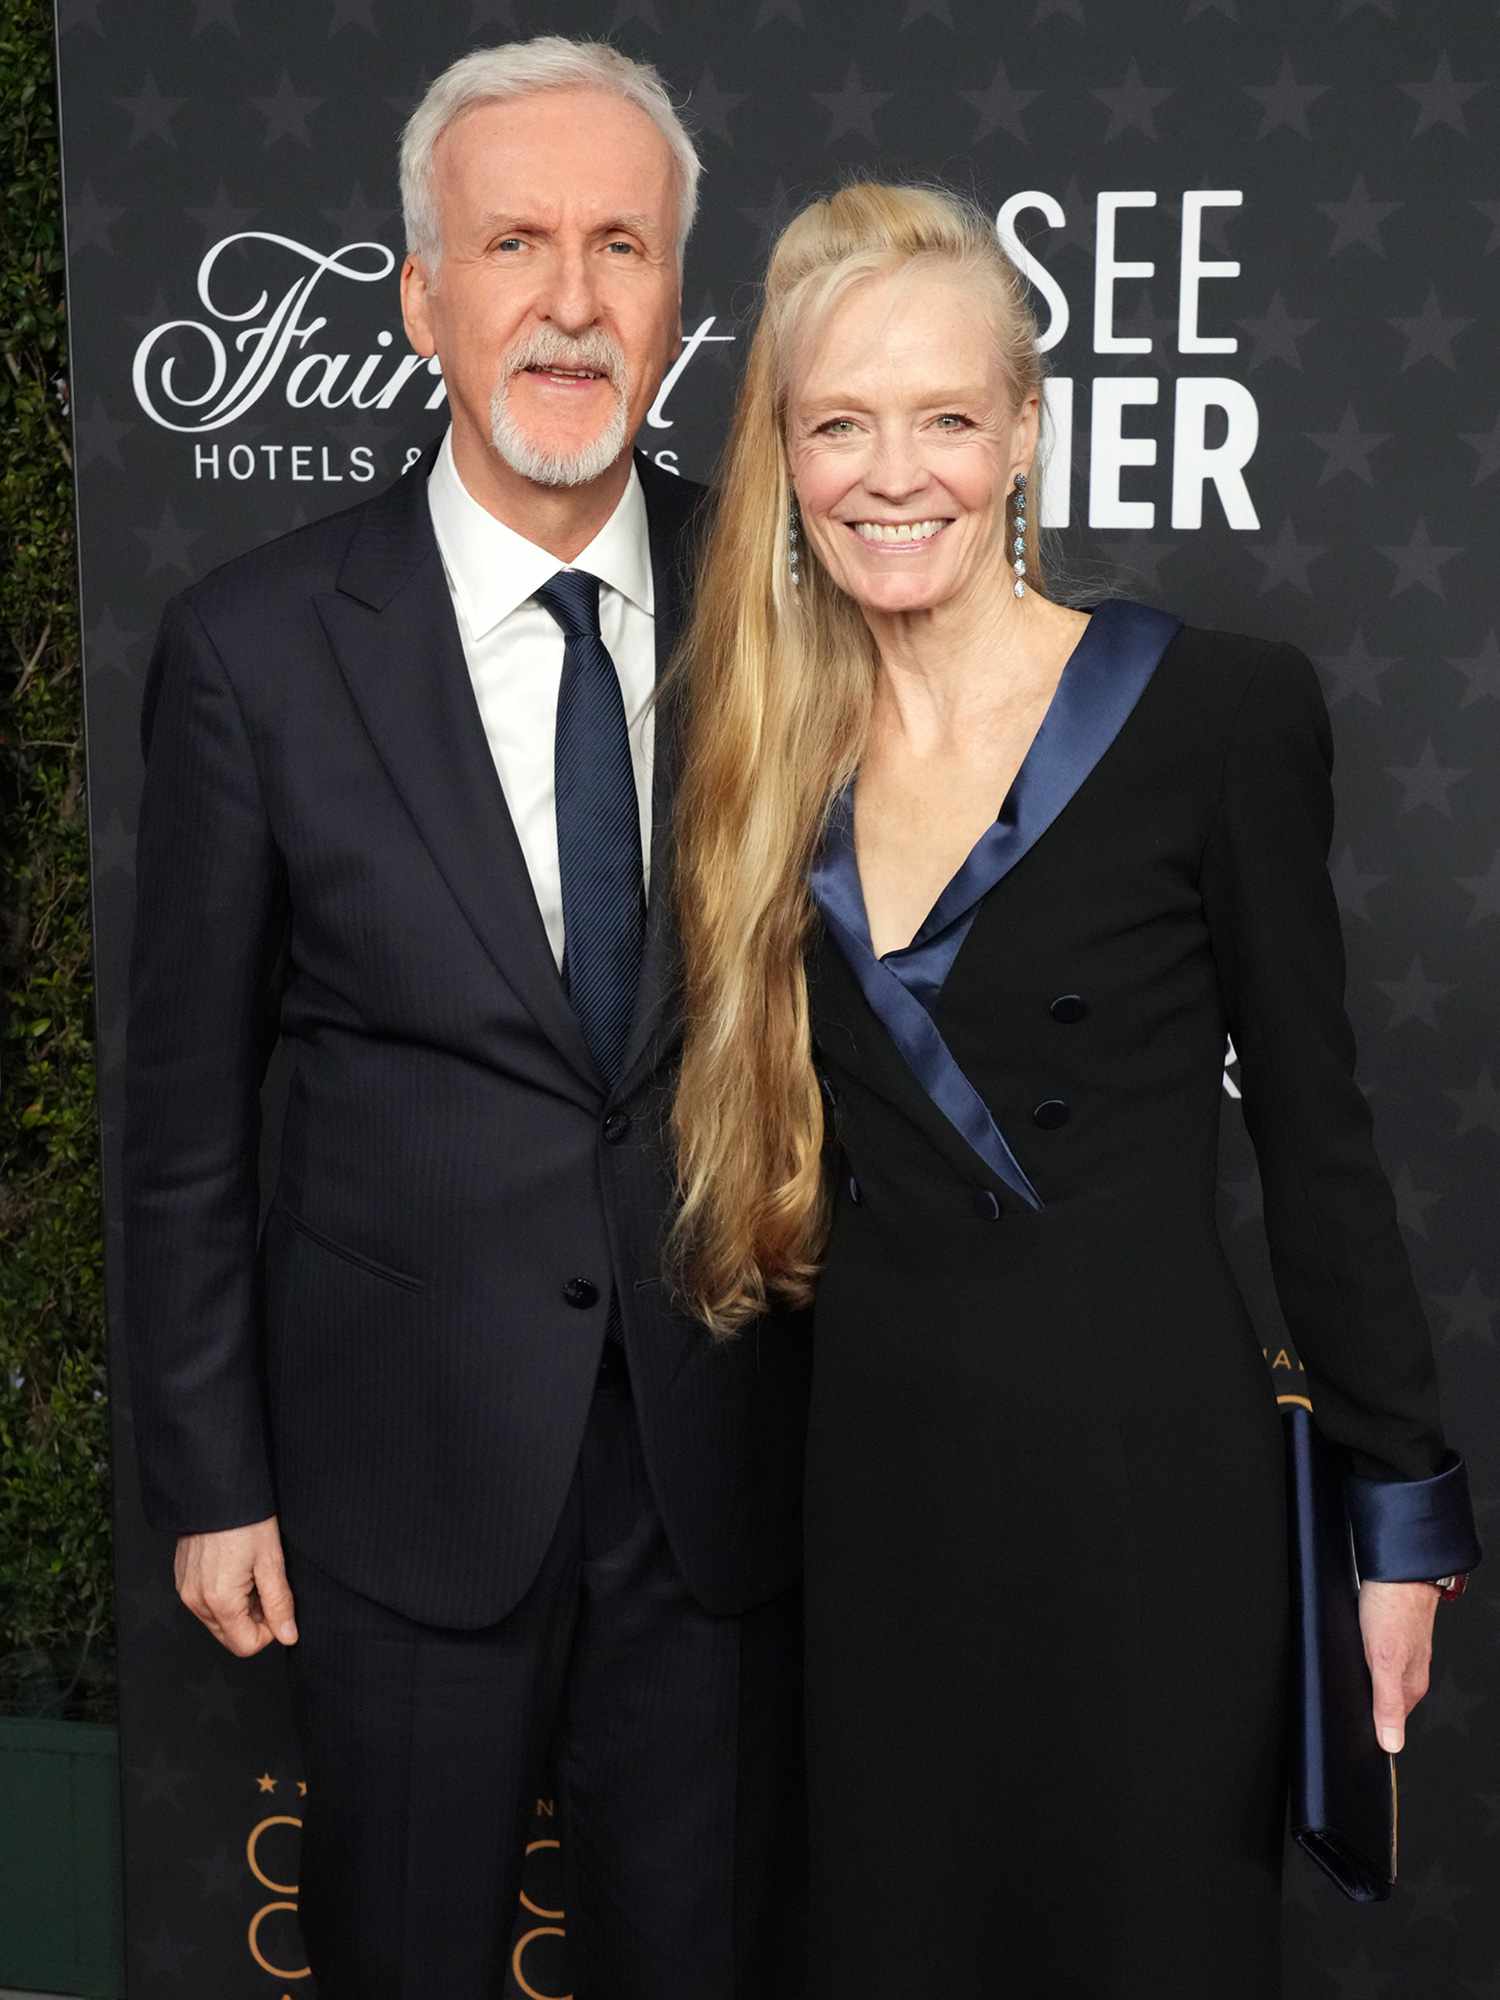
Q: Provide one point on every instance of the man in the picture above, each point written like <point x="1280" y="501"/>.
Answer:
<point x="440" y="1432"/>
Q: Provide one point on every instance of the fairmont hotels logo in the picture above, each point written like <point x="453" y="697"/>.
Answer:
<point x="268" y="333"/>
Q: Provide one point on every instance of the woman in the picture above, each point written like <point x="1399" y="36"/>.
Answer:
<point x="1046" y="1590"/>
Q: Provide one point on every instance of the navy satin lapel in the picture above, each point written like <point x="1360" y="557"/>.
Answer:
<point x="836" y="891"/>
<point x="1104" y="678"/>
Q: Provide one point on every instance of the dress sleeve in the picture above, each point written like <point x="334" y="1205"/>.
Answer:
<point x="1341" y="1269"/>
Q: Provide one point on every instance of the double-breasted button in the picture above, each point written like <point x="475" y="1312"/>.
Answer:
<point x="616" y="1125"/>
<point x="1068" y="1008"/>
<point x="985" y="1205"/>
<point x="581" y="1292"/>
<point x="1050" y="1113"/>
<point x="855" y="1194"/>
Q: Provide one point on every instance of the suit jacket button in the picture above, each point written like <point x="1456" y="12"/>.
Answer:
<point x="855" y="1194"/>
<point x="1051" y="1113"/>
<point x="1068" y="1008"/>
<point x="616" y="1125"/>
<point x="581" y="1292"/>
<point x="985" y="1205"/>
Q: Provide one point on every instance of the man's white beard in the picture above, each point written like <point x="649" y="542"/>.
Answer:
<point x="542" y="464"/>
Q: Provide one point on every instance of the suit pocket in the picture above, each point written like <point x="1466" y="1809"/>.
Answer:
<point x="357" y="1258"/>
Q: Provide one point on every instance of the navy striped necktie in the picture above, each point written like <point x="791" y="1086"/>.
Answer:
<point x="598" y="826"/>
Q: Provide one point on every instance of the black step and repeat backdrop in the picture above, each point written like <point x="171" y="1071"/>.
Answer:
<point x="1263" y="236"/>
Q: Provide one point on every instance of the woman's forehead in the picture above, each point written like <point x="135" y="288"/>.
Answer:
<point x="898" y="329"/>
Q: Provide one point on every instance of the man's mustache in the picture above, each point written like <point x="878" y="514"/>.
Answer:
<point x="597" y="352"/>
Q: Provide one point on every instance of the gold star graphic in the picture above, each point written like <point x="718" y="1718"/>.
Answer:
<point x="266" y="1783"/>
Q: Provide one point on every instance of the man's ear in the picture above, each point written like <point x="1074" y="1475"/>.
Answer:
<point x="415" y="314"/>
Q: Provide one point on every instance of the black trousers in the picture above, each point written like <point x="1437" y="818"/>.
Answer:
<point x="673" y="1739"/>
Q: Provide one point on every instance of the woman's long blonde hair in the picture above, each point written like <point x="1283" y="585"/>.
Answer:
<point x="775" y="687"/>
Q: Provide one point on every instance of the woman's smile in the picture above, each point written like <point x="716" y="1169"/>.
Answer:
<point x="898" y="538"/>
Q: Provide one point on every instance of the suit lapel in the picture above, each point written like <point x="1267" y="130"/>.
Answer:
<point x="671" y="507"/>
<point x="394" y="635"/>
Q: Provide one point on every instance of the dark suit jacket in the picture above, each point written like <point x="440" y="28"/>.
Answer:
<point x="401" y="1366"/>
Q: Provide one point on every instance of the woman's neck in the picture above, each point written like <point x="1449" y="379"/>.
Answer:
<point x="943" y="670"/>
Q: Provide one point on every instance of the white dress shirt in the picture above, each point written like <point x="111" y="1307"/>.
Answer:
<point x="514" y="650"/>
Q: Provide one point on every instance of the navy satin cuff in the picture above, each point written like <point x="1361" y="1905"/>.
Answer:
<point x="1412" y="1530"/>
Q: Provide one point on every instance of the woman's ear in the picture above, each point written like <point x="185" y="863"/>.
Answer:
<point x="1026" y="431"/>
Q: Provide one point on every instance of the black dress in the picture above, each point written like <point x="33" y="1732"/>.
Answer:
<point x="1046" y="1586"/>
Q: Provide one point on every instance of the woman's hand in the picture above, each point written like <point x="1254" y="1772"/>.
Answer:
<point x="1396" y="1620"/>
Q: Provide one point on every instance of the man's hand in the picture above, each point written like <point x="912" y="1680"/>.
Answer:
<point x="235" y="1582"/>
<point x="1396" y="1620"/>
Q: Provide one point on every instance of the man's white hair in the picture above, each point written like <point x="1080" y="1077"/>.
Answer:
<point x="521" y="69"/>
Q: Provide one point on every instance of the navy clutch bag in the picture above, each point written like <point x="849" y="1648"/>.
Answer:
<point x="1343" y="1785"/>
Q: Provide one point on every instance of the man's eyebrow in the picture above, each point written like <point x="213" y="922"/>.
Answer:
<point x="637" y="225"/>
<point x="501" y="220"/>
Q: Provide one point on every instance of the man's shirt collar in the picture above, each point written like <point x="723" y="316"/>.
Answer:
<point x="492" y="570"/>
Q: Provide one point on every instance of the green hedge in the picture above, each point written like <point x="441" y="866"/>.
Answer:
<point x="56" y="1637"/>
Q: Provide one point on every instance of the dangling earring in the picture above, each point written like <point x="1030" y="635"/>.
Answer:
<point x="1018" y="543"/>
<point x="794" y="542"/>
